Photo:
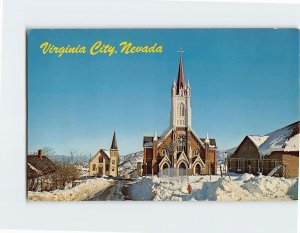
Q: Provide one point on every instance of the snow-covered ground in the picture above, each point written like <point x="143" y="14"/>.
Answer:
<point x="235" y="187"/>
<point x="85" y="190"/>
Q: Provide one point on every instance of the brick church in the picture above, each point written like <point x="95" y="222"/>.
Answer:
<point x="179" y="146"/>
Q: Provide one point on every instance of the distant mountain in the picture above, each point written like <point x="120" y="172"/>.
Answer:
<point x="128" y="163"/>
<point x="69" y="159"/>
<point x="223" y="154"/>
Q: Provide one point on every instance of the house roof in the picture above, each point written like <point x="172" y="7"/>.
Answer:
<point x="257" y="140"/>
<point x="39" y="165"/>
<point x="284" y="139"/>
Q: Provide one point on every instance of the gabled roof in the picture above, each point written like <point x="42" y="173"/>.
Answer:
<point x="284" y="139"/>
<point x="165" y="160"/>
<point x="257" y="140"/>
<point x="181" y="156"/>
<point x="106" y="153"/>
<point x="164" y="134"/>
<point x="39" y="165"/>
<point x="103" y="152"/>
<point x="195" y="135"/>
<point x="197" y="159"/>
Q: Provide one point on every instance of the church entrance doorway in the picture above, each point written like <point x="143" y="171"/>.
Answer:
<point x="100" y="171"/>
<point x="165" y="168"/>
<point x="182" y="169"/>
<point x="197" y="169"/>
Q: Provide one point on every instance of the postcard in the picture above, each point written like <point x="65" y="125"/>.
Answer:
<point x="162" y="114"/>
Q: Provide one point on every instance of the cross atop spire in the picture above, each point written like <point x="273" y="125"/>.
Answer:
<point x="180" y="51"/>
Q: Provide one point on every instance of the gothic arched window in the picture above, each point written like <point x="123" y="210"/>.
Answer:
<point x="196" y="152"/>
<point x="180" y="109"/>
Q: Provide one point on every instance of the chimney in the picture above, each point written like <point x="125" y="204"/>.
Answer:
<point x="40" y="153"/>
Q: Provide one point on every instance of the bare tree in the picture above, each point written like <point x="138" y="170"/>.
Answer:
<point x="65" y="173"/>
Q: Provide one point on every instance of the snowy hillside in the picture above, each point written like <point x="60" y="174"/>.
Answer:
<point x="128" y="163"/>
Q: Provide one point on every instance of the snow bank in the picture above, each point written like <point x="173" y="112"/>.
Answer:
<point x="83" y="191"/>
<point x="235" y="188"/>
<point x="268" y="187"/>
<point x="141" y="190"/>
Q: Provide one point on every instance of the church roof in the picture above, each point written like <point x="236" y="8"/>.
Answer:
<point x="212" y="141"/>
<point x="148" y="141"/>
<point x="114" y="142"/>
<point x="105" y="152"/>
<point x="180" y="78"/>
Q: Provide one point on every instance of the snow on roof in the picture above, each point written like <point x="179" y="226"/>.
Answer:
<point x="284" y="139"/>
<point x="164" y="134"/>
<point x="193" y="132"/>
<point x="148" y="144"/>
<point x="292" y="144"/>
<point x="106" y="152"/>
<point x="258" y="140"/>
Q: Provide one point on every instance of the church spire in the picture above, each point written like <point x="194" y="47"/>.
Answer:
<point x="207" y="141"/>
<point x="114" y="145"/>
<point x="180" y="78"/>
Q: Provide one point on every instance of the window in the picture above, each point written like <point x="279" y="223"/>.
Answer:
<point x="112" y="168"/>
<point x="180" y="109"/>
<point x="94" y="167"/>
<point x="113" y="162"/>
<point x="100" y="159"/>
<point x="181" y="143"/>
<point x="196" y="152"/>
<point x="106" y="167"/>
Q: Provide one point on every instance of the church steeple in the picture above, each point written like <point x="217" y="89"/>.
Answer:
<point x="180" y="78"/>
<point x="181" y="114"/>
<point x="114" y="145"/>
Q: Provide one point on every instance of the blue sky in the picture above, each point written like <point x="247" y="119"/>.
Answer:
<point x="242" y="81"/>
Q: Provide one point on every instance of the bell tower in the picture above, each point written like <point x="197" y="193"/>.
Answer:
<point x="114" y="157"/>
<point x="181" y="113"/>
